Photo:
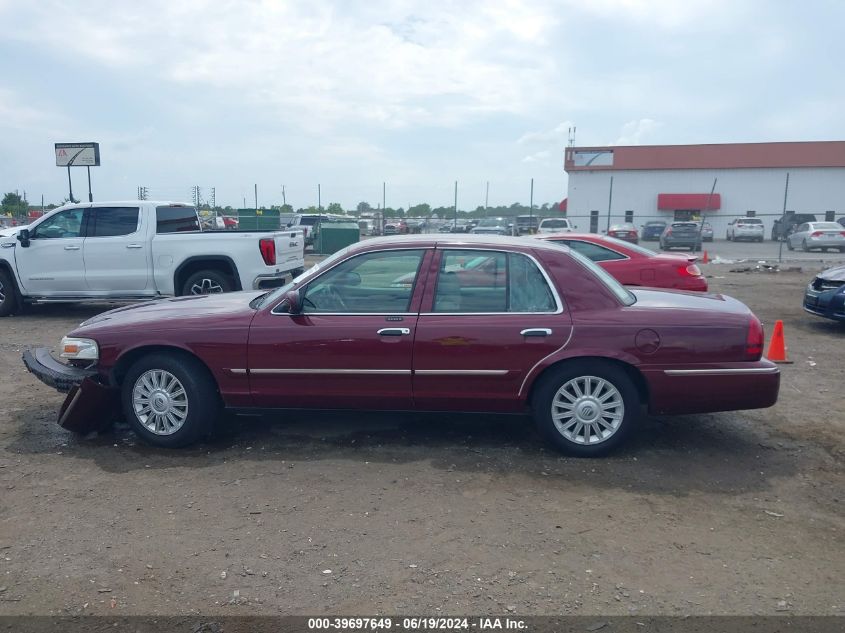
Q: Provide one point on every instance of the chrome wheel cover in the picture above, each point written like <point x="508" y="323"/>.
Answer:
<point x="588" y="410"/>
<point x="160" y="402"/>
<point x="206" y="287"/>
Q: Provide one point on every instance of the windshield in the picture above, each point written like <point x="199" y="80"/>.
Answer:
<point x="631" y="247"/>
<point x="276" y="295"/>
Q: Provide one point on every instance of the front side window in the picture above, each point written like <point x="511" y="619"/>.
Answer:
<point x="63" y="224"/>
<point x="114" y="221"/>
<point x="490" y="281"/>
<point x="374" y="283"/>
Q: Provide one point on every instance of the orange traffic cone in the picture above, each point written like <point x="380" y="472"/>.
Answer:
<point x="705" y="259"/>
<point x="777" y="346"/>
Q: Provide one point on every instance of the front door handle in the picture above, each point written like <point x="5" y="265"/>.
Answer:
<point x="537" y="331"/>
<point x="134" y="246"/>
<point x="394" y="331"/>
<point x="71" y="248"/>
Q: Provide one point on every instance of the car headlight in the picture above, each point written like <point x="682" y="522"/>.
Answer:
<point x="80" y="348"/>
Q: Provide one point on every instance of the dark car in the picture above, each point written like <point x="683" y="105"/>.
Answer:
<point x="785" y="225"/>
<point x="556" y="336"/>
<point x="652" y="230"/>
<point x="825" y="295"/>
<point x="681" y="235"/>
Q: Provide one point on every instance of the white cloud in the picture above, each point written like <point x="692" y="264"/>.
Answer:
<point x="635" y="132"/>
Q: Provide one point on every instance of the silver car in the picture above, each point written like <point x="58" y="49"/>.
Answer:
<point x="817" y="235"/>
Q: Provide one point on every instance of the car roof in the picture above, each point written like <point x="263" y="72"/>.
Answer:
<point x="469" y="240"/>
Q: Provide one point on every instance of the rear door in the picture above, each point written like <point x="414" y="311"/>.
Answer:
<point x="477" y="339"/>
<point x="52" y="265"/>
<point x="117" y="251"/>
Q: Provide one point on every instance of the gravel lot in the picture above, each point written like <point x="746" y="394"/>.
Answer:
<point x="735" y="513"/>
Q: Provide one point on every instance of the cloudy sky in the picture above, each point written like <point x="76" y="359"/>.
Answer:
<point x="350" y="94"/>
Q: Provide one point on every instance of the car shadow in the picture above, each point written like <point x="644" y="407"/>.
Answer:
<point x="724" y="453"/>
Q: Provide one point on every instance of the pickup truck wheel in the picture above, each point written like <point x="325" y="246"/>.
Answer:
<point x="8" y="295"/>
<point x="207" y="282"/>
<point x="169" y="400"/>
<point x="586" y="408"/>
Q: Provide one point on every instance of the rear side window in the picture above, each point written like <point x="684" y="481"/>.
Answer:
<point x="491" y="281"/>
<point x="593" y="251"/>
<point x="176" y="219"/>
<point x="114" y="221"/>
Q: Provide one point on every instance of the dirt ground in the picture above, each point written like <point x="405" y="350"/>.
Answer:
<point x="734" y="513"/>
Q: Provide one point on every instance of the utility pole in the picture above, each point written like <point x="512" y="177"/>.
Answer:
<point x="531" y="207"/>
<point x="284" y="198"/>
<point x="782" y="237"/>
<point x="487" y="199"/>
<point x="384" y="195"/>
<point x="256" y="197"/>
<point x="213" y="198"/>
<point x="609" y="202"/>
<point x="456" y="203"/>
<point x="319" y="198"/>
<point x="706" y="209"/>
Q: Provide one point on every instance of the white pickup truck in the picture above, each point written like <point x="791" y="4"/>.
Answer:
<point x="138" y="250"/>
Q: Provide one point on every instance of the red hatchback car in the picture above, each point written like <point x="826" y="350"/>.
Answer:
<point x="554" y="335"/>
<point x="634" y="265"/>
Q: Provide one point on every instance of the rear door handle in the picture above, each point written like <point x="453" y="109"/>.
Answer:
<point x="394" y="331"/>
<point x="537" y="331"/>
<point x="134" y="246"/>
<point x="71" y="248"/>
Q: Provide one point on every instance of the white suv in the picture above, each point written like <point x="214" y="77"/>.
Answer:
<point x="750" y="229"/>
<point x="555" y="225"/>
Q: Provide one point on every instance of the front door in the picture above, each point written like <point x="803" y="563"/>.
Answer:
<point x="116" y="252"/>
<point x="351" y="345"/>
<point x="53" y="265"/>
<point x="483" y="327"/>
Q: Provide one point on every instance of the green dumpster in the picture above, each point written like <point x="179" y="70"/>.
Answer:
<point x="258" y="219"/>
<point x="333" y="236"/>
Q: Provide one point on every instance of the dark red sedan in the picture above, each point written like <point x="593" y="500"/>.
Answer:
<point x="634" y="265"/>
<point x="554" y="334"/>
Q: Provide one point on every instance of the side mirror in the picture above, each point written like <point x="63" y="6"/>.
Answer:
<point x="23" y="237"/>
<point x="292" y="301"/>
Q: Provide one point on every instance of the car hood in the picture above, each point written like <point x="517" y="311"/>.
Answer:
<point x="837" y="273"/>
<point x="165" y="314"/>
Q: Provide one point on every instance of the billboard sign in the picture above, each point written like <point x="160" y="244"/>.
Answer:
<point x="77" y="154"/>
<point x="593" y="158"/>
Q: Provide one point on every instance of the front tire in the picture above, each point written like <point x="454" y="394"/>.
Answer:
<point x="8" y="295"/>
<point x="207" y="282"/>
<point x="170" y="400"/>
<point x="586" y="408"/>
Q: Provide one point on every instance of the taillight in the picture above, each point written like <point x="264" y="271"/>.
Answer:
<point x="754" y="340"/>
<point x="842" y="233"/>
<point x="690" y="271"/>
<point x="268" y="250"/>
<point x="668" y="232"/>
<point x="816" y="233"/>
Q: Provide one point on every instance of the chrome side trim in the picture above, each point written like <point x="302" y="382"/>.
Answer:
<point x="238" y="371"/>
<point x="372" y="314"/>
<point x="542" y="360"/>
<point x="721" y="372"/>
<point x="461" y="372"/>
<point x="362" y="372"/>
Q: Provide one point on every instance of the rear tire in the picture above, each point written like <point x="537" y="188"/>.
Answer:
<point x="8" y="295"/>
<point x="804" y="246"/>
<point x="591" y="424"/>
<point x="170" y="400"/>
<point x="206" y="282"/>
<point x="789" y="246"/>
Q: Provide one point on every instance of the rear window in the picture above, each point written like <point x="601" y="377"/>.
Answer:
<point x="826" y="226"/>
<point x="751" y="221"/>
<point x="176" y="219"/>
<point x="309" y="220"/>
<point x="685" y="225"/>
<point x="624" y="296"/>
<point x="554" y="224"/>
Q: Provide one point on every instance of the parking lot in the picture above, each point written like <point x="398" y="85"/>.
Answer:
<point x="731" y="513"/>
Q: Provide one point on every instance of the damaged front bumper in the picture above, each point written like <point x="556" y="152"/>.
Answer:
<point x="61" y="377"/>
<point x="89" y="406"/>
